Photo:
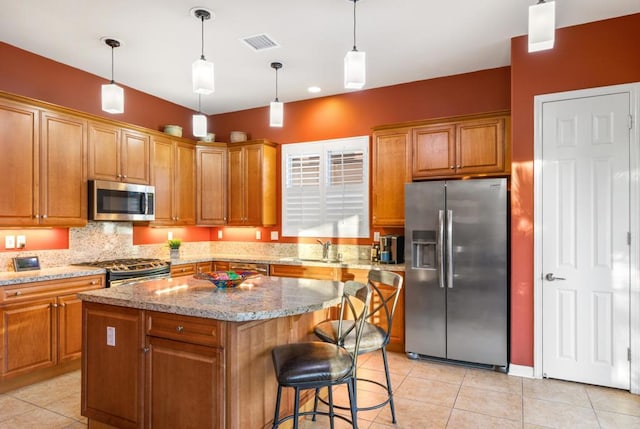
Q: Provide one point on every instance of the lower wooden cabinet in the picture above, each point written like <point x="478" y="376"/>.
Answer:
<point x="303" y="272"/>
<point x="40" y="327"/>
<point x="191" y="269"/>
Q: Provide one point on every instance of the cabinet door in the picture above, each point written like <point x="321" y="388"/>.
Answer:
<point x="113" y="367"/>
<point x="211" y="186"/>
<point x="185" y="385"/>
<point x="183" y="270"/>
<point x="235" y="186"/>
<point x="28" y="336"/>
<point x="480" y="146"/>
<point x="69" y="327"/>
<point x="302" y="271"/>
<point x="63" y="179"/>
<point x="163" y="173"/>
<point x="204" y="267"/>
<point x="104" y="153"/>
<point x="19" y="143"/>
<point x="391" y="170"/>
<point x="434" y="151"/>
<point x="253" y="185"/>
<point x="185" y="184"/>
<point x="134" y="153"/>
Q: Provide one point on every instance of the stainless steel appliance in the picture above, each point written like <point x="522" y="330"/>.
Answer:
<point x="120" y="271"/>
<point x="392" y="249"/>
<point x="456" y="270"/>
<point x="116" y="201"/>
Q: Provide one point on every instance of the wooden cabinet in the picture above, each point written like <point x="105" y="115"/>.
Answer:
<point x="118" y="154"/>
<point x="175" y="182"/>
<point x="473" y="146"/>
<point x="44" y="176"/>
<point x="211" y="184"/>
<point x="303" y="271"/>
<point x="251" y="185"/>
<point x="191" y="269"/>
<point x="40" y="326"/>
<point x="221" y="265"/>
<point x="113" y="357"/>
<point x="391" y="170"/>
<point x="184" y="361"/>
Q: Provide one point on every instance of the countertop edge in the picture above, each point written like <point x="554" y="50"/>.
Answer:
<point x="44" y="274"/>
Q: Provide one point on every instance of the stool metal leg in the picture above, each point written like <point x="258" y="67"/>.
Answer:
<point x="276" y="417"/>
<point x="351" y="386"/>
<point x="389" y="388"/>
<point x="315" y="404"/>
<point x="331" y="414"/>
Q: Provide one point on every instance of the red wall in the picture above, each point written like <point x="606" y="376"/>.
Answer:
<point x="355" y="113"/>
<point x="31" y="75"/>
<point x="590" y="55"/>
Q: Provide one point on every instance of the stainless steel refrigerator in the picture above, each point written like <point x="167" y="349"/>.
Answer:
<point x="456" y="268"/>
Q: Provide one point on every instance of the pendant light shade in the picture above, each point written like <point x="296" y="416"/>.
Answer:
<point x="276" y="108"/>
<point x="542" y="25"/>
<point x="199" y="121"/>
<point x="354" y="62"/>
<point x="355" y="70"/>
<point x="202" y="70"/>
<point x="112" y="94"/>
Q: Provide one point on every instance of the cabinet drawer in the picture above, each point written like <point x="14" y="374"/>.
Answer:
<point x="300" y="271"/>
<point x="183" y="270"/>
<point x="187" y="329"/>
<point x="49" y="288"/>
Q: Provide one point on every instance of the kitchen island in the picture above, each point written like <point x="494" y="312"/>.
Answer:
<point x="182" y="353"/>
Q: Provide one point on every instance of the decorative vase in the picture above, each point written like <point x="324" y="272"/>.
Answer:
<point x="174" y="253"/>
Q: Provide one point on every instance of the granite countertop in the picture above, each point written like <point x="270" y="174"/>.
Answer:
<point x="356" y="263"/>
<point x="65" y="272"/>
<point x="256" y="298"/>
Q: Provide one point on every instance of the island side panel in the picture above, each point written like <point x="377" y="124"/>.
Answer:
<point x="251" y="382"/>
<point x="112" y="365"/>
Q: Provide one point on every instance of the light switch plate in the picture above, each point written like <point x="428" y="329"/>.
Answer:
<point x="219" y="234"/>
<point x="170" y="235"/>
<point x="21" y="241"/>
<point x="376" y="236"/>
<point x="10" y="242"/>
<point x="111" y="336"/>
<point x="274" y="235"/>
<point x="258" y="235"/>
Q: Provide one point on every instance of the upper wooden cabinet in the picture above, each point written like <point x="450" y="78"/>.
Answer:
<point x="118" y="154"/>
<point x="251" y="186"/>
<point x="391" y="170"/>
<point x="473" y="146"/>
<point x="44" y="176"/>
<point x="211" y="184"/>
<point x="175" y="182"/>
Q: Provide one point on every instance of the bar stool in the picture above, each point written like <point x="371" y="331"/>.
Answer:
<point x="319" y="364"/>
<point x="385" y="291"/>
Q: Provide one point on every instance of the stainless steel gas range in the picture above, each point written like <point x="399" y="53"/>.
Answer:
<point x="121" y="271"/>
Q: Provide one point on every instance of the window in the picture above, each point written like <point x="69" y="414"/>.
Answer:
<point x="325" y="191"/>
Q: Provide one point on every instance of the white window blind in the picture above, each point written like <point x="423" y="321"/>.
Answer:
<point x="325" y="192"/>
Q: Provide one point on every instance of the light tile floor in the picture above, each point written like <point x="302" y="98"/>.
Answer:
<point x="427" y="395"/>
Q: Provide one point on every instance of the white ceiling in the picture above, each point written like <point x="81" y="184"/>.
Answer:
<point x="405" y="41"/>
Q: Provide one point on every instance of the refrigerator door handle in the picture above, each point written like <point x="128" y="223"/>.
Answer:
<point x="450" y="249"/>
<point x="440" y="248"/>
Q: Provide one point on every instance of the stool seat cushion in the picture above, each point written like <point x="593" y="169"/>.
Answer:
<point x="373" y="337"/>
<point x="311" y="362"/>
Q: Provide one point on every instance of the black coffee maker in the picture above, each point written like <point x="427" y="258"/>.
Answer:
<point x="391" y="249"/>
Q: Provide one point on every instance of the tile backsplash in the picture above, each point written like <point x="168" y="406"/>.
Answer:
<point x="113" y="240"/>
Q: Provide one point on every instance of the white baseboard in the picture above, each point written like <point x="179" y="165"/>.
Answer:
<point x="521" y="371"/>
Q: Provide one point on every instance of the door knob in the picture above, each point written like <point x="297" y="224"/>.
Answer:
<point x="552" y="278"/>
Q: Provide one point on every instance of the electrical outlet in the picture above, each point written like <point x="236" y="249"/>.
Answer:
<point x="170" y="235"/>
<point x="274" y="235"/>
<point x="21" y="241"/>
<point x="10" y="242"/>
<point x="111" y="336"/>
<point x="376" y="236"/>
<point x="219" y="234"/>
<point x="258" y="235"/>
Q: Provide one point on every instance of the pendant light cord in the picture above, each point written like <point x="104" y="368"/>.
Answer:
<point x="354" y="25"/>
<point x="199" y="102"/>
<point x="202" y="38"/>
<point x="112" y="65"/>
<point x="276" y="85"/>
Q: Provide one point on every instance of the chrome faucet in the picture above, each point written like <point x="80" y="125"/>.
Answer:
<point x="325" y="248"/>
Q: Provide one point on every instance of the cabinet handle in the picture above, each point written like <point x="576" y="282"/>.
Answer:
<point x="54" y="305"/>
<point x="119" y="176"/>
<point x="44" y="216"/>
<point x="124" y="176"/>
<point x="18" y="293"/>
<point x="179" y="328"/>
<point x="93" y="282"/>
<point x="63" y="305"/>
<point x="458" y="166"/>
<point x="452" y="167"/>
<point x="36" y="216"/>
<point x="145" y="349"/>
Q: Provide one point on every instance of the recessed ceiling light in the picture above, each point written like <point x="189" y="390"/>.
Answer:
<point x="314" y="89"/>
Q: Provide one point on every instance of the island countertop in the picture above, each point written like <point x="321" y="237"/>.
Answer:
<point x="257" y="298"/>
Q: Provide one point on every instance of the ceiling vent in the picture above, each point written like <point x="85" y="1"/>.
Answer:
<point x="260" y="42"/>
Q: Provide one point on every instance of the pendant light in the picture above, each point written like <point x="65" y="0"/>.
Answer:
<point x="112" y="94"/>
<point x="354" y="62"/>
<point x="201" y="69"/>
<point x="542" y="25"/>
<point x="199" y="122"/>
<point x="276" y="108"/>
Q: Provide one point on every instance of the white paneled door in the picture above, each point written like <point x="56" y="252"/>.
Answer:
<point x="585" y="249"/>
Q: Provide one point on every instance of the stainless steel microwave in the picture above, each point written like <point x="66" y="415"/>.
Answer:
<point x="116" y="201"/>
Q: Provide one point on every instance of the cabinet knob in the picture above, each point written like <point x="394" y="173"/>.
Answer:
<point x="119" y="176"/>
<point x="63" y="305"/>
<point x="18" y="293"/>
<point x="44" y="216"/>
<point x="452" y="167"/>
<point x="458" y="166"/>
<point x="179" y="328"/>
<point x="145" y="349"/>
<point x="36" y="216"/>
<point x="93" y="282"/>
<point x="54" y="305"/>
<point x="124" y="176"/>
